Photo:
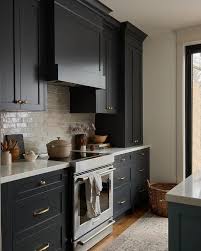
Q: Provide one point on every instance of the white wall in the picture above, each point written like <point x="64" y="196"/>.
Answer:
<point x="160" y="104"/>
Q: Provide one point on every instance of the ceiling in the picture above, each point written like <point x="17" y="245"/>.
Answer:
<point x="154" y="16"/>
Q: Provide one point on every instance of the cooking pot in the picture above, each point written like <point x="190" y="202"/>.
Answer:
<point x="59" y="148"/>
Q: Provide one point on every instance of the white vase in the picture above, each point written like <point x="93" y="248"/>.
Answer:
<point x="6" y="158"/>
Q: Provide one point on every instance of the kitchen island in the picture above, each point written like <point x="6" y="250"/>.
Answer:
<point x="184" y="214"/>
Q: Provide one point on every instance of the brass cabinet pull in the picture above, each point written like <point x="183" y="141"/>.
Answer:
<point x="143" y="190"/>
<point x="122" y="178"/>
<point x="45" y="247"/>
<point x="25" y="101"/>
<point x="41" y="211"/>
<point x="19" y="101"/>
<point x="141" y="170"/>
<point x="42" y="183"/>
<point x="122" y="202"/>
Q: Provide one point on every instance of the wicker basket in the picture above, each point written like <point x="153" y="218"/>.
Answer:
<point x="157" y="200"/>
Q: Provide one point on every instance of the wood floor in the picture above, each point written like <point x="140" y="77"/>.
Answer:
<point x="120" y="226"/>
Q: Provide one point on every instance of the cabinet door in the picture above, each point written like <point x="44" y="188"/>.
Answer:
<point x="9" y="88"/>
<point x="137" y="98"/>
<point x="28" y="54"/>
<point x="133" y="96"/>
<point x="78" y="49"/>
<point x="128" y="95"/>
<point x="107" y="100"/>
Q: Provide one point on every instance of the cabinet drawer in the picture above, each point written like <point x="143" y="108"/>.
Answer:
<point x="38" y="183"/>
<point x="48" y="239"/>
<point x="37" y="209"/>
<point x="121" y="200"/>
<point x="121" y="176"/>
<point x="122" y="160"/>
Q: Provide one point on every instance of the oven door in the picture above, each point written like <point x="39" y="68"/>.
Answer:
<point x="82" y="224"/>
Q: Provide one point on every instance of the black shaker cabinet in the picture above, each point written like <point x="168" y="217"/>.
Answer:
<point x="104" y="101"/>
<point x="21" y="84"/>
<point x="9" y="90"/>
<point x="34" y="213"/>
<point x="130" y="181"/>
<point x="139" y="176"/>
<point x="107" y="100"/>
<point x="126" y="129"/>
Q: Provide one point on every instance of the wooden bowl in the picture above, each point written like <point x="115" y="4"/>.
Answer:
<point x="100" y="139"/>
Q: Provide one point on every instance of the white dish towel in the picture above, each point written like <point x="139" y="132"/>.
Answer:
<point x="93" y="188"/>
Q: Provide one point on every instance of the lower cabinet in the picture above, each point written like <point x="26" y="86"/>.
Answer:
<point x="34" y="213"/>
<point x="139" y="176"/>
<point x="184" y="223"/>
<point x="48" y="238"/>
<point x="130" y="181"/>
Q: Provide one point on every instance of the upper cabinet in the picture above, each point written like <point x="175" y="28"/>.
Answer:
<point x="126" y="128"/>
<point x="76" y="45"/>
<point x="99" y="100"/>
<point x="9" y="90"/>
<point x="107" y="100"/>
<point x="20" y="77"/>
<point x="132" y="68"/>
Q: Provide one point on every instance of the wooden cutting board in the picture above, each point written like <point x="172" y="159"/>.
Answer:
<point x="20" y="140"/>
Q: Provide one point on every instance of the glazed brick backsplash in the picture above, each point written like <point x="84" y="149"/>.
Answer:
<point x="39" y="128"/>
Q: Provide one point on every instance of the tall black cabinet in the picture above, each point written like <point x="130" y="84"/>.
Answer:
<point x="126" y="128"/>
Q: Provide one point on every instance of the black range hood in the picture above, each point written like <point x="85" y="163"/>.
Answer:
<point x="74" y="44"/>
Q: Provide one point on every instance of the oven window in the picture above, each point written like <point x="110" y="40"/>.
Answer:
<point x="104" y="198"/>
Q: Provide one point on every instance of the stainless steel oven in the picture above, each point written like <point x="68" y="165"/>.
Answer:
<point x="83" y="224"/>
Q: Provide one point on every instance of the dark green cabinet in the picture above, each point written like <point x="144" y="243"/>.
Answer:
<point x="34" y="213"/>
<point x="21" y="75"/>
<point x="130" y="181"/>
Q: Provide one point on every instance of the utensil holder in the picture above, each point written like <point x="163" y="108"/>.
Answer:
<point x="6" y="158"/>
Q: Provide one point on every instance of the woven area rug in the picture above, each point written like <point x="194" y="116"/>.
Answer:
<point x="149" y="233"/>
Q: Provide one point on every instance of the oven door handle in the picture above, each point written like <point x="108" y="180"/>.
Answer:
<point x="86" y="178"/>
<point x="82" y="243"/>
<point x="108" y="171"/>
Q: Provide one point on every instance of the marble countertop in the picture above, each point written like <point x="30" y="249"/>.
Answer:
<point x="117" y="150"/>
<point x="187" y="192"/>
<point x="24" y="169"/>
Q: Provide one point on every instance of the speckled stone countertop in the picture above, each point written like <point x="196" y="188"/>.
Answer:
<point x="187" y="192"/>
<point x="24" y="169"/>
